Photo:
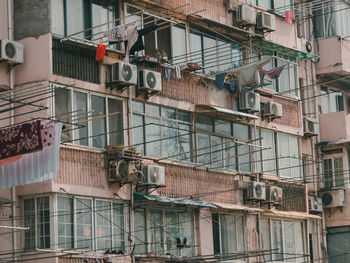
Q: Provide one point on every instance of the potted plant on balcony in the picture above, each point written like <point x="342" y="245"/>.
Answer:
<point x="130" y="152"/>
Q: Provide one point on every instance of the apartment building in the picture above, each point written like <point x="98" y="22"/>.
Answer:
<point x="197" y="143"/>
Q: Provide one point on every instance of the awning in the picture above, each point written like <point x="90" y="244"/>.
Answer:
<point x="268" y="48"/>
<point x="237" y="207"/>
<point x="171" y="200"/>
<point x="342" y="141"/>
<point x="218" y="112"/>
<point x="291" y="214"/>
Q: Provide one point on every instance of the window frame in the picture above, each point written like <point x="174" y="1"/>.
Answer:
<point x="219" y="224"/>
<point x="74" y="134"/>
<point x="282" y="221"/>
<point x="334" y="172"/>
<point x="329" y="106"/>
<point x="165" y="232"/>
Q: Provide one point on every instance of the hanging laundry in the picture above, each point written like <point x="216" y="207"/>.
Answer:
<point x="273" y="73"/>
<point x="131" y="38"/>
<point x="289" y="16"/>
<point x="138" y="45"/>
<point x="36" y="166"/>
<point x="177" y="72"/>
<point x="219" y="80"/>
<point x="100" y="52"/>
<point x="117" y="34"/>
<point x="166" y="74"/>
<point x="21" y="139"/>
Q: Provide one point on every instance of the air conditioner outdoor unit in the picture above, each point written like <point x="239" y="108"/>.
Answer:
<point x="249" y="101"/>
<point x="11" y="51"/>
<point x="266" y="21"/>
<point x="150" y="80"/>
<point x="153" y="174"/>
<point x="310" y="127"/>
<point x="334" y="198"/>
<point x="274" y="194"/>
<point x="123" y="171"/>
<point x="124" y="73"/>
<point x="256" y="191"/>
<point x="246" y="15"/>
<point x="315" y="204"/>
<point x="273" y="109"/>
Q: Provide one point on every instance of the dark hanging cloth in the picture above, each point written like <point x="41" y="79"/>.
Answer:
<point x="273" y="73"/>
<point x="21" y="139"/>
<point x="219" y="80"/>
<point x="138" y="46"/>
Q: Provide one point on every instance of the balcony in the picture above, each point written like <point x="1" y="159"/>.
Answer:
<point x="335" y="127"/>
<point x="333" y="63"/>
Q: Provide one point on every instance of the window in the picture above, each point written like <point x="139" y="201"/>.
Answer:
<point x="228" y="233"/>
<point x="75" y="61"/>
<point x="285" y="237"/>
<point x="332" y="100"/>
<point x="337" y="243"/>
<point x="74" y="106"/>
<point x="81" y="223"/>
<point x="37" y="218"/>
<point x="333" y="172"/>
<point x="324" y="19"/>
<point x="278" y="6"/>
<point x="73" y="16"/>
<point x="213" y="53"/>
<point x="287" y="83"/>
<point x="163" y="230"/>
<point x="283" y="153"/>
<point x="161" y="131"/>
<point x="215" y="146"/>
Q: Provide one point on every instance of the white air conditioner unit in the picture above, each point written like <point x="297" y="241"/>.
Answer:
<point x="153" y="174"/>
<point x="310" y="127"/>
<point x="256" y="191"/>
<point x="11" y="51"/>
<point x="274" y="194"/>
<point x="273" y="109"/>
<point x="123" y="171"/>
<point x="249" y="101"/>
<point x="315" y="204"/>
<point x="245" y="15"/>
<point x="124" y="73"/>
<point x="266" y="21"/>
<point x="150" y="80"/>
<point x="334" y="198"/>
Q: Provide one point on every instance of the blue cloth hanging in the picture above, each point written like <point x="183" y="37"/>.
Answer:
<point x="219" y="80"/>
<point x="232" y="85"/>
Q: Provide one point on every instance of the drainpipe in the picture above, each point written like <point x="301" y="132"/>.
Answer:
<point x="11" y="84"/>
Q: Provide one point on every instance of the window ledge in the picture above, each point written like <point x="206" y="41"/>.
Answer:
<point x="81" y="148"/>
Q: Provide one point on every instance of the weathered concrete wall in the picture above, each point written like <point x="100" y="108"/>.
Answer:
<point x="31" y="18"/>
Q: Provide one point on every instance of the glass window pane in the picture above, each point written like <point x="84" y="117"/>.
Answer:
<point x="29" y="221"/>
<point x="327" y="171"/>
<point x="299" y="240"/>
<point x="178" y="47"/>
<point x="184" y="116"/>
<point x="155" y="224"/>
<point x="168" y="113"/>
<point x="223" y="127"/>
<point x="289" y="240"/>
<point x="210" y="55"/>
<point x="173" y="232"/>
<point x="284" y="83"/>
<point x="115" y="122"/>
<point x="265" y="236"/>
<point x="152" y="110"/>
<point x="63" y="109"/>
<point x="43" y="222"/>
<point x="228" y="234"/>
<point x="204" y="123"/>
<point x="80" y="105"/>
<point x="196" y="48"/>
<point x="216" y="152"/>
<point x="203" y="148"/>
<point x="170" y="146"/>
<point x="224" y="60"/>
<point x="277" y="242"/>
<point x="338" y="172"/>
<point x="186" y="230"/>
<point x="65" y="222"/>
<point x="57" y="17"/>
<point x="75" y="16"/>
<point x="138" y="136"/>
<point x="137" y="106"/>
<point x="103" y="225"/>
<point x="118" y="227"/>
<point x="283" y="155"/>
<point x="98" y="107"/>
<point x="153" y="137"/>
<point x="230" y="149"/>
<point x="83" y="223"/>
<point x="185" y="143"/>
<point x="140" y="232"/>
<point x="269" y="155"/>
<point x="102" y="12"/>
